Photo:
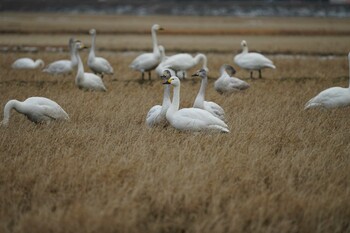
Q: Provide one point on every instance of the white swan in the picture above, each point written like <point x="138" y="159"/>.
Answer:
<point x="63" y="66"/>
<point x="191" y="119"/>
<point x="228" y="84"/>
<point x="160" y="68"/>
<point x="98" y="65"/>
<point x="185" y="61"/>
<point x="200" y="102"/>
<point x="252" y="61"/>
<point x="87" y="81"/>
<point x="27" y="63"/>
<point x="334" y="97"/>
<point x="156" y="116"/>
<point x="36" y="109"/>
<point x="148" y="61"/>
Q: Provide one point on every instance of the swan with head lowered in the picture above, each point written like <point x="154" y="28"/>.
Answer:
<point x="86" y="81"/>
<point x="156" y="116"/>
<point x="334" y="97"/>
<point x="98" y="65"/>
<point x="148" y="61"/>
<point x="185" y="61"/>
<point x="27" y="63"/>
<point x="252" y="61"/>
<point x="226" y="83"/>
<point x="63" y="66"/>
<point x="211" y="107"/>
<point x="36" y="109"/>
<point x="191" y="119"/>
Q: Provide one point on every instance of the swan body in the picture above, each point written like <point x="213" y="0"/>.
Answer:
<point x="191" y="119"/>
<point x="161" y="68"/>
<point x="226" y="83"/>
<point x="87" y="81"/>
<point x="27" y="63"/>
<point x="184" y="61"/>
<point x="334" y="97"/>
<point x="156" y="116"/>
<point x="212" y="107"/>
<point x="148" y="61"/>
<point x="36" y="109"/>
<point x="62" y="67"/>
<point x="252" y="61"/>
<point x="98" y="65"/>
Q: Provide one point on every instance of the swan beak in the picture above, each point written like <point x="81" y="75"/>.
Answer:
<point x="195" y="74"/>
<point x="161" y="29"/>
<point x="167" y="82"/>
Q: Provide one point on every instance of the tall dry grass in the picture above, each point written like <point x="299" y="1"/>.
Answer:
<point x="281" y="169"/>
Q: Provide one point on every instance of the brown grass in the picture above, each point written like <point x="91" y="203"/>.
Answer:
<point x="281" y="169"/>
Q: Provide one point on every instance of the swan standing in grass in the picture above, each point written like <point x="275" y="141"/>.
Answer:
<point x="185" y="61"/>
<point x="36" y="109"/>
<point x="252" y="61"/>
<point x="98" y="65"/>
<point x="334" y="97"/>
<point x="27" y="63"/>
<point x="156" y="116"/>
<point x="148" y="61"/>
<point x="200" y="102"/>
<point x="63" y="66"/>
<point x="228" y="84"/>
<point x="87" y="81"/>
<point x="160" y="68"/>
<point x="191" y="119"/>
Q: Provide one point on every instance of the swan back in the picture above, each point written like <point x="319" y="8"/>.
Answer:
<point x="228" y="84"/>
<point x="27" y="63"/>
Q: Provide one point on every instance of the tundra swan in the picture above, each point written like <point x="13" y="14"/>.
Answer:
<point x="185" y="61"/>
<point x="333" y="97"/>
<point x="191" y="119"/>
<point x="27" y="63"/>
<point x="86" y="81"/>
<point x="157" y="114"/>
<point x="148" y="61"/>
<point x="36" y="109"/>
<point x="98" y="65"/>
<point x="200" y="102"/>
<point x="252" y="61"/>
<point x="63" y="66"/>
<point x="228" y="84"/>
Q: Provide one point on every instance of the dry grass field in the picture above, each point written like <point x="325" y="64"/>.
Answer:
<point x="281" y="169"/>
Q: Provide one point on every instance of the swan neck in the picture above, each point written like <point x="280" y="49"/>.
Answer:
<point x="155" y="42"/>
<point x="199" y="101"/>
<point x="92" y="49"/>
<point x="202" y="57"/>
<point x="222" y="70"/>
<point x="174" y="107"/>
<point x="80" y="73"/>
<point x="73" y="57"/>
<point x="12" y="104"/>
<point x="245" y="49"/>
<point x="166" y="95"/>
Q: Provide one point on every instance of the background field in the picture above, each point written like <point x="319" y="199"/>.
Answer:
<point x="281" y="169"/>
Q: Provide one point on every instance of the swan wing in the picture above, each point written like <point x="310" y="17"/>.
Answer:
<point x="253" y="61"/>
<point x="182" y="61"/>
<point x="152" y="115"/>
<point x="59" y="67"/>
<point x="145" y="62"/>
<point x="23" y="63"/>
<point x="93" y="82"/>
<point x="101" y="65"/>
<point x="214" y="109"/>
<point x="330" y="98"/>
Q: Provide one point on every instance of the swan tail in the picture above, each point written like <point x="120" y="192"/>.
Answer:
<point x="219" y="128"/>
<point x="310" y="104"/>
<point x="272" y="66"/>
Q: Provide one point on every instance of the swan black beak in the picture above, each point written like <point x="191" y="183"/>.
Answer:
<point x="195" y="74"/>
<point x="161" y="29"/>
<point x="166" y="82"/>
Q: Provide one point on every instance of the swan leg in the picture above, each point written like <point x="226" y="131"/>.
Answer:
<point x="149" y="75"/>
<point x="251" y="74"/>
<point x="260" y="74"/>
<point x="142" y="76"/>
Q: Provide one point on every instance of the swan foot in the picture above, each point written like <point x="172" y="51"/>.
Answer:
<point x="260" y="76"/>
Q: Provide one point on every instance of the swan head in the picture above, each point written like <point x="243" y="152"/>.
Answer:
<point x="229" y="69"/>
<point x="166" y="74"/>
<point x="40" y="62"/>
<point x="156" y="27"/>
<point x="201" y="73"/>
<point x="92" y="31"/>
<point x="243" y="44"/>
<point x="79" y="45"/>
<point x="175" y="81"/>
<point x="4" y="123"/>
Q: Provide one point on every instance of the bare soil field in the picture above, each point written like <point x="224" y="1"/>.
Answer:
<point x="281" y="169"/>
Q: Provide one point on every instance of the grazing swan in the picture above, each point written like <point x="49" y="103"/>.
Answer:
<point x="148" y="61"/>
<point x="252" y="61"/>
<point x="86" y="81"/>
<point x="98" y="65"/>
<point x="157" y="114"/>
<point x="191" y="119"/>
<point x="228" y="84"/>
<point x="63" y="66"/>
<point x="185" y="61"/>
<point x="36" y="109"/>
<point x="199" y="102"/>
<point x="334" y="97"/>
<point x="27" y="63"/>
